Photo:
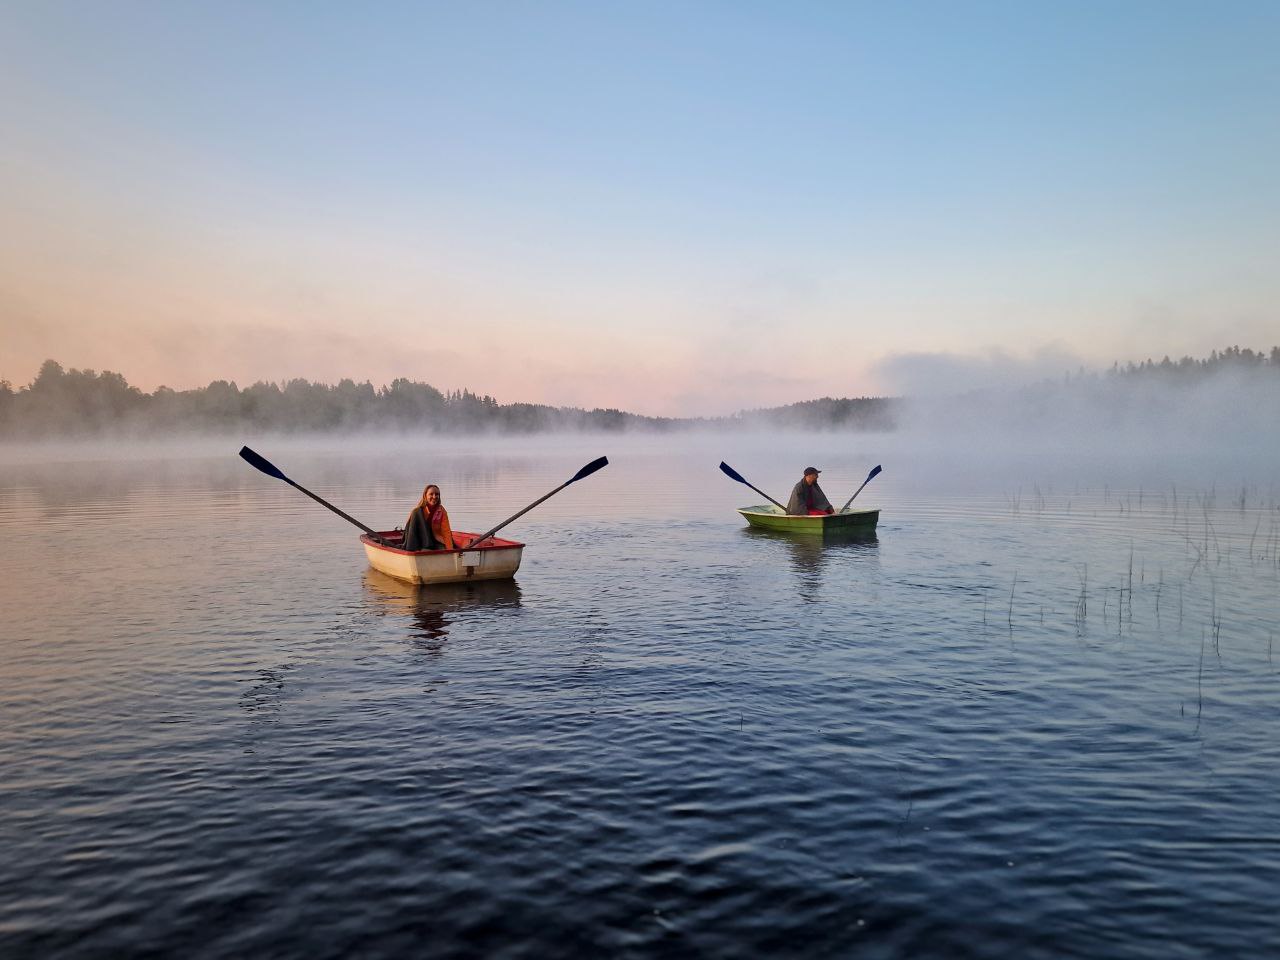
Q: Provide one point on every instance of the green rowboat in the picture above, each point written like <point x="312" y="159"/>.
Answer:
<point x="768" y="517"/>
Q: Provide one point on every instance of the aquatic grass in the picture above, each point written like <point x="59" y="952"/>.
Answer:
<point x="1211" y="550"/>
<point x="1200" y="683"/>
<point x="1199" y="557"/>
<point x="1130" y="582"/>
<point x="1270" y="551"/>
<point x="1213" y="536"/>
<point x="1015" y="502"/>
<point x="1040" y="500"/>
<point x="1082" y="601"/>
<point x="1214" y="619"/>
<point x="1011" y="591"/>
<point x="1209" y="531"/>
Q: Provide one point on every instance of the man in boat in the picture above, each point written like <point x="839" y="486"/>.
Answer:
<point x="807" y="498"/>
<point x="428" y="525"/>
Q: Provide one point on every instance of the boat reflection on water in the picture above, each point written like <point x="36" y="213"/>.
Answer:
<point x="430" y="609"/>
<point x="809" y="554"/>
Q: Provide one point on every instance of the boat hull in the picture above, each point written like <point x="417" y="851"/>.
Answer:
<point x="496" y="560"/>
<point x="854" y="522"/>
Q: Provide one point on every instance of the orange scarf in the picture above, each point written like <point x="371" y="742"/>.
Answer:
<point x="438" y="519"/>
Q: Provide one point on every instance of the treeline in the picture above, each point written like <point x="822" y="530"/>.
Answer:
<point x="80" y="403"/>
<point x="1188" y="369"/>
<point x="83" y="403"/>
<point x="860" y="413"/>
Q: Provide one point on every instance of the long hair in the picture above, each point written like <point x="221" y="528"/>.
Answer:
<point x="426" y="512"/>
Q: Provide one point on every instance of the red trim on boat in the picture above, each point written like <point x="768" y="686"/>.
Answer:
<point x="492" y="543"/>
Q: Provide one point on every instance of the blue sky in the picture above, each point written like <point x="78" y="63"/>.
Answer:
<point x="672" y="208"/>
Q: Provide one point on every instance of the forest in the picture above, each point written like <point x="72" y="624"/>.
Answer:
<point x="69" y="403"/>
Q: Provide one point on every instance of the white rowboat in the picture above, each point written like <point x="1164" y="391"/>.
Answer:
<point x="495" y="559"/>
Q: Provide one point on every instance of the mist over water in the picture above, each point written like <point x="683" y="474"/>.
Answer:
<point x="1034" y="716"/>
<point x="1228" y="413"/>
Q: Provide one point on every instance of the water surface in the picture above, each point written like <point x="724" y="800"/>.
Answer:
<point x="1035" y="716"/>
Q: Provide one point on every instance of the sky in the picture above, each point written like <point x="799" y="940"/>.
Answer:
<point x="670" y="208"/>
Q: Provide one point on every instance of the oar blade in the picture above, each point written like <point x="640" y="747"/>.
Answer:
<point x="261" y="463"/>
<point x="731" y="473"/>
<point x="870" y="476"/>
<point x="586" y="471"/>
<point x="589" y="469"/>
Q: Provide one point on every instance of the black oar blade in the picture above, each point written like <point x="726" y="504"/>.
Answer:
<point x="586" y="471"/>
<point x="589" y="469"/>
<point x="260" y="463"/>
<point x="731" y="473"/>
<point x="874" y="472"/>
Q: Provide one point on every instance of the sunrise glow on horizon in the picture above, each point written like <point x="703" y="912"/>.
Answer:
<point x="672" y="209"/>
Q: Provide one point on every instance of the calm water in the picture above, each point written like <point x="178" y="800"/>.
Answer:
<point x="1039" y="715"/>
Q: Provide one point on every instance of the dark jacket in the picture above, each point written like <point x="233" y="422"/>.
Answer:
<point x="419" y="534"/>
<point x="805" y="498"/>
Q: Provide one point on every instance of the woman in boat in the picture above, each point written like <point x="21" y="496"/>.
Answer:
<point x="807" y="498"/>
<point x="428" y="525"/>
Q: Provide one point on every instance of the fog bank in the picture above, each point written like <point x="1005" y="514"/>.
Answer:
<point x="1226" y="408"/>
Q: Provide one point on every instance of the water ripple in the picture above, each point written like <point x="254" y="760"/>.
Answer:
<point x="1022" y="722"/>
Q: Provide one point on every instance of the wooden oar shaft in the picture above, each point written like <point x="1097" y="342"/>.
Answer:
<point x="259" y="462"/>
<point x="517" y="516"/>
<point x="586" y="471"/>
<point x="325" y="503"/>
<point x="767" y="497"/>
<point x="875" y="472"/>
<point x="733" y="474"/>
<point x="855" y="493"/>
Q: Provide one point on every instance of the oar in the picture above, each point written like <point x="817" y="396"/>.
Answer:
<point x="870" y="476"/>
<point x="733" y="474"/>
<point x="586" y="471"/>
<point x="271" y="470"/>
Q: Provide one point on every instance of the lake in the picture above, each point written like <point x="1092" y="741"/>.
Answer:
<point x="1038" y="715"/>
